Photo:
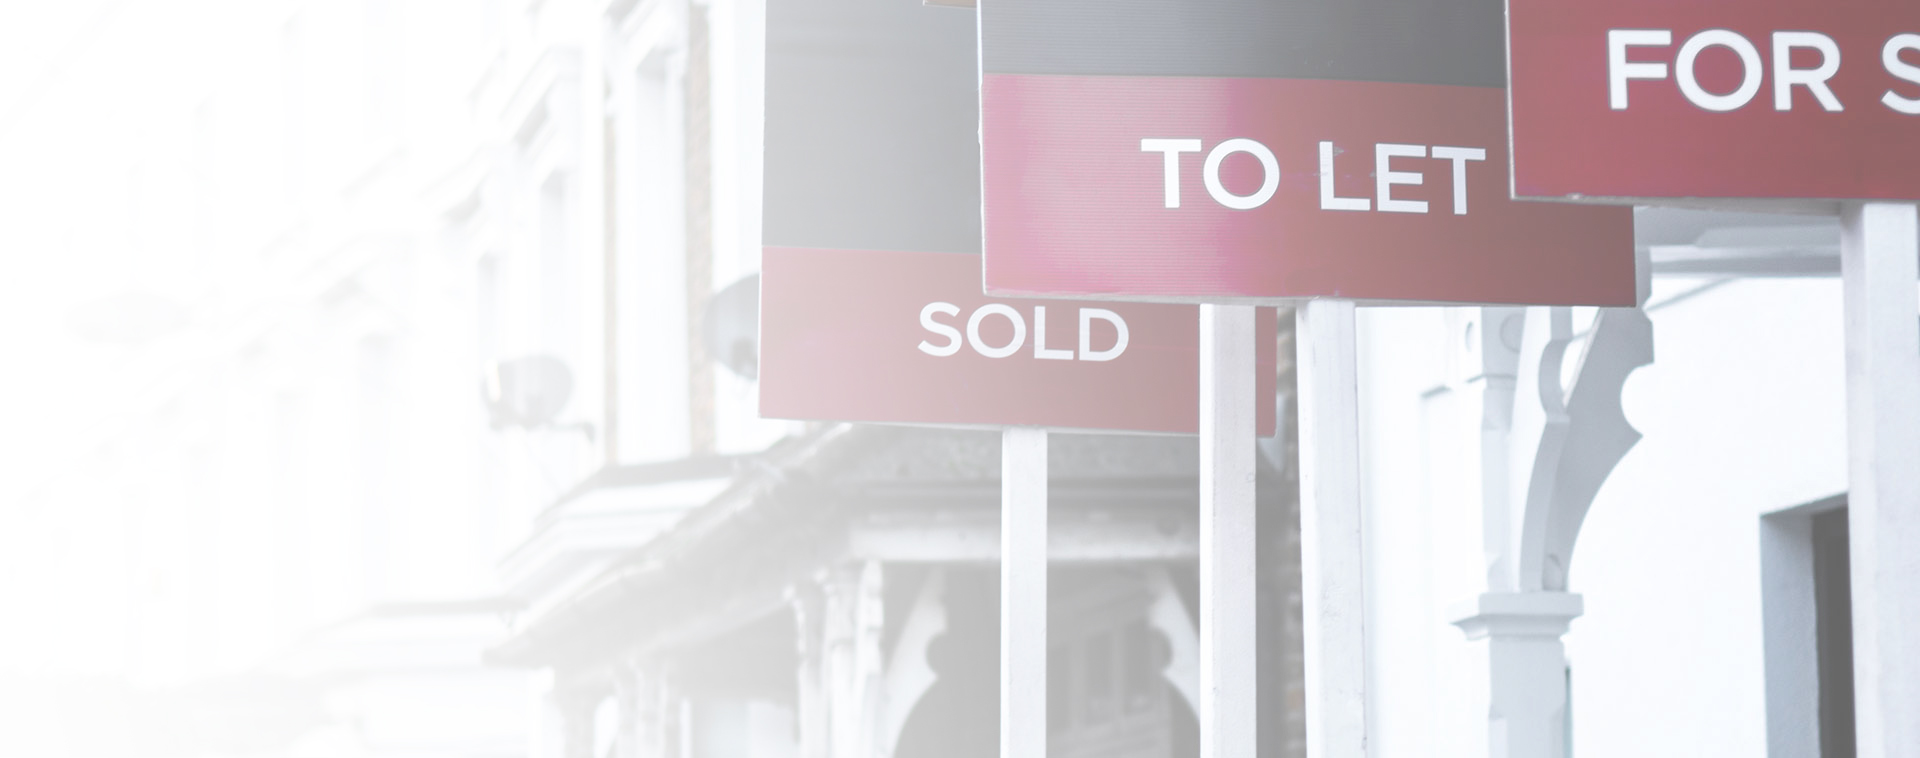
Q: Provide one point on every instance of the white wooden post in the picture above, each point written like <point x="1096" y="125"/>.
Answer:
<point x="1023" y="593"/>
<point x="1879" y="246"/>
<point x="1333" y="591"/>
<point x="1229" y="719"/>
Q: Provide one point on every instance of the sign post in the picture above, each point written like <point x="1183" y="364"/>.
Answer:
<point x="907" y="338"/>
<point x="1229" y="642"/>
<point x="1332" y="566"/>
<point x="1880" y="245"/>
<point x="868" y="148"/>
<point x="1023" y="592"/>
<point x="1235" y="152"/>
<point x="871" y="303"/>
<point x="1769" y="105"/>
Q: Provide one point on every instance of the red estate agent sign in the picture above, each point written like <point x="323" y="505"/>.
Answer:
<point x="1220" y="150"/>
<point x="896" y="337"/>
<point x="871" y="146"/>
<point x="1651" y="99"/>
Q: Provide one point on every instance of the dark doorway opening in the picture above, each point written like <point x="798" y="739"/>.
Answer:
<point x="1833" y="611"/>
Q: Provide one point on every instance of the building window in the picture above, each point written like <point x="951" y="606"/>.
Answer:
<point x="1106" y="695"/>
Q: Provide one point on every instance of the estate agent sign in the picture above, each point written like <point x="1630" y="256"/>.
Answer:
<point x="1248" y="150"/>
<point x="905" y="337"/>
<point x="1664" y="99"/>
<point x="871" y="305"/>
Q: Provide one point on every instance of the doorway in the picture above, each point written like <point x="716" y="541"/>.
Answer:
<point x="1807" y="611"/>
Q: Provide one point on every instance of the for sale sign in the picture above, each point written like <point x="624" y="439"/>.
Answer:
<point x="1251" y="150"/>
<point x="1643" y="100"/>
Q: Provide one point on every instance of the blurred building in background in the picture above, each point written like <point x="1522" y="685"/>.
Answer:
<point x="407" y="408"/>
<point x="380" y="382"/>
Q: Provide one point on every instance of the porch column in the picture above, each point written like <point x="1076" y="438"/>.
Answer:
<point x="636" y="690"/>
<point x="810" y="708"/>
<point x="576" y="723"/>
<point x="842" y="672"/>
<point x="1526" y="669"/>
<point x="1545" y="451"/>
<point x="854" y="670"/>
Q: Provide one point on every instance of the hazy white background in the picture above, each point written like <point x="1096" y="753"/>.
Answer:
<point x="201" y="202"/>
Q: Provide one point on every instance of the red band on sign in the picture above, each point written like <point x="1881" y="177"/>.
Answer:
<point x="907" y="338"/>
<point x="1669" y="99"/>
<point x="1190" y="188"/>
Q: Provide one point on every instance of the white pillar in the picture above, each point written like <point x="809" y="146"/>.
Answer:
<point x="637" y="693"/>
<point x="1526" y="669"/>
<point x="1229" y="717"/>
<point x="548" y="737"/>
<point x="576" y="724"/>
<point x="1332" y="566"/>
<point x="1023" y="593"/>
<point x="1879" y="245"/>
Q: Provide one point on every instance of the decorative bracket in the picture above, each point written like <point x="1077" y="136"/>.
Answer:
<point x="1584" y="436"/>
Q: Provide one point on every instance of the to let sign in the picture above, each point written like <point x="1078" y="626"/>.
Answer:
<point x="1251" y="150"/>
<point x="1664" y="99"/>
<point x="902" y="337"/>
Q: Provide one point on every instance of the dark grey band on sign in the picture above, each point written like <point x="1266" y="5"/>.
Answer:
<point x="872" y="127"/>
<point x="1457" y="42"/>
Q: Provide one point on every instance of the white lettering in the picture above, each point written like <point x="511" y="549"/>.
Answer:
<point x="1385" y="177"/>
<point x="1012" y="346"/>
<point x="1087" y="353"/>
<point x="1211" y="174"/>
<point x="1040" y="349"/>
<point x="1459" y="156"/>
<point x="955" y="340"/>
<point x="1785" y="76"/>
<point x="1328" y="202"/>
<point x="1749" y="63"/>
<point x="952" y="334"/>
<point x="1171" y="149"/>
<point x="1890" y="57"/>
<point x="1620" y="70"/>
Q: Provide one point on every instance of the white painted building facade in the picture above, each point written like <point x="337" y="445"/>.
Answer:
<point x="1693" y="613"/>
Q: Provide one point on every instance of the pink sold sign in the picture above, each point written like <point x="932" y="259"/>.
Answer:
<point x="871" y="305"/>
<point x="901" y="337"/>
